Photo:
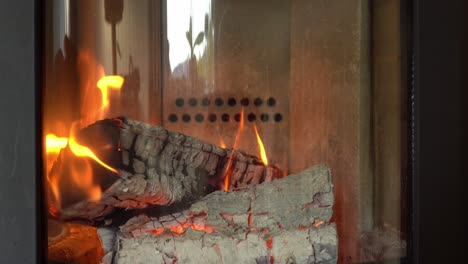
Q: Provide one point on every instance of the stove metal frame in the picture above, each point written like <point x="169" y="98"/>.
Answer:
<point x="22" y="230"/>
<point x="435" y="129"/>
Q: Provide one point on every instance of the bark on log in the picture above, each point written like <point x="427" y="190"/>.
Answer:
<point x="290" y="211"/>
<point x="156" y="167"/>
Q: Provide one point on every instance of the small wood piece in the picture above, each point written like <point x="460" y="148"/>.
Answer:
<point x="156" y="167"/>
<point x="72" y="243"/>
<point x="283" y="220"/>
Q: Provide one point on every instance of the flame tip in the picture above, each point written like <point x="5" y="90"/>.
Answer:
<point x="261" y="147"/>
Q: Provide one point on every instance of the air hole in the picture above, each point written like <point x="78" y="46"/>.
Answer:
<point x="199" y="118"/>
<point x="245" y="101"/>
<point x="179" y="102"/>
<point x="237" y="117"/>
<point x="192" y="102"/>
<point x="212" y="118"/>
<point x="278" y="117"/>
<point x="205" y="102"/>
<point x="186" y="118"/>
<point x="232" y="101"/>
<point x="258" y="101"/>
<point x="225" y="118"/>
<point x="271" y="101"/>
<point x="219" y="101"/>
<point x="251" y="117"/>
<point x="264" y="117"/>
<point x="173" y="118"/>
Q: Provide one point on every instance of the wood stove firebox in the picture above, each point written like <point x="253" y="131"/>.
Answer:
<point x="223" y="131"/>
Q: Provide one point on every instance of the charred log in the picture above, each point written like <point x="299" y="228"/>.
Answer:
<point x="308" y="245"/>
<point x="284" y="220"/>
<point x="155" y="167"/>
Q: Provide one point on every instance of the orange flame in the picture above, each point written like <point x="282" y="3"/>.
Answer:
<point x="53" y="145"/>
<point x="222" y="144"/>
<point x="227" y="173"/>
<point x="109" y="82"/>
<point x="82" y="151"/>
<point x="263" y="155"/>
<point x="81" y="173"/>
<point x="56" y="193"/>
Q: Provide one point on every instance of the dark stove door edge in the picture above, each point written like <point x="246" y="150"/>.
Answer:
<point x="436" y="229"/>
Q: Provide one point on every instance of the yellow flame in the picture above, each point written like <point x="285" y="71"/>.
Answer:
<point x="54" y="144"/>
<point x="222" y="144"/>
<point x="79" y="171"/>
<point x="263" y="155"/>
<point x="82" y="151"/>
<point x="109" y="82"/>
<point x="227" y="173"/>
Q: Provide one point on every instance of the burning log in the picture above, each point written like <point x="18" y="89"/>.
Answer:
<point x="283" y="221"/>
<point x="309" y="245"/>
<point x="144" y="165"/>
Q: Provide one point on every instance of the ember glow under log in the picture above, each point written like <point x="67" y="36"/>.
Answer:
<point x="282" y="221"/>
<point x="155" y="167"/>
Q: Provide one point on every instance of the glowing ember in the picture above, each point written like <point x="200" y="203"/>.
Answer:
<point x="227" y="173"/>
<point x="318" y="224"/>
<point x="263" y="155"/>
<point x="269" y="243"/>
<point x="109" y="82"/>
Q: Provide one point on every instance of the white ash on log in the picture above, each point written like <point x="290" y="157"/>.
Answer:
<point x="156" y="167"/>
<point x="299" y="200"/>
<point x="284" y="221"/>
<point x="309" y="245"/>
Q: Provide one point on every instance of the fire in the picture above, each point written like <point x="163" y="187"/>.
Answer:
<point x="54" y="144"/>
<point x="80" y="174"/>
<point x="53" y="208"/>
<point x="82" y="151"/>
<point x="109" y="82"/>
<point x="227" y="173"/>
<point x="263" y="155"/>
<point x="222" y="144"/>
